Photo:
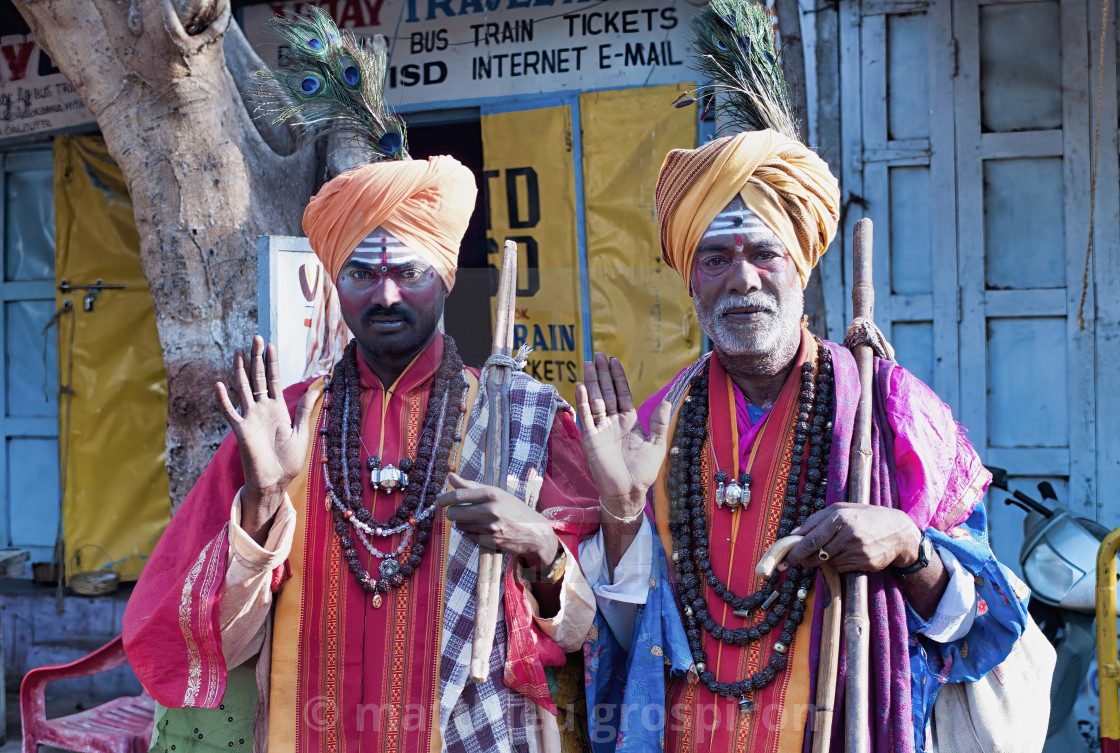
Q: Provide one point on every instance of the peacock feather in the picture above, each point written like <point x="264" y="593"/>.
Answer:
<point x="733" y="45"/>
<point x="329" y="82"/>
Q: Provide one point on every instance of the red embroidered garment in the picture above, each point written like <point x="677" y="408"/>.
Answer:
<point x="345" y="675"/>
<point x="702" y="721"/>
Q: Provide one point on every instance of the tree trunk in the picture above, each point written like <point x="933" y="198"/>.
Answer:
<point x="203" y="181"/>
<point x="793" y="66"/>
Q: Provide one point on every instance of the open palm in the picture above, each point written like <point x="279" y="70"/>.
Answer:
<point x="273" y="445"/>
<point x="623" y="460"/>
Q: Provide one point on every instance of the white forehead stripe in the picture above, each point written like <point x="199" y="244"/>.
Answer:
<point x="736" y="218"/>
<point x="379" y="245"/>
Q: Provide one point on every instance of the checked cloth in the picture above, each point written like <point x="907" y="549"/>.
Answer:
<point x="490" y="716"/>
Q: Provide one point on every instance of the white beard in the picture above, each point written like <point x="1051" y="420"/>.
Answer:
<point x="766" y="339"/>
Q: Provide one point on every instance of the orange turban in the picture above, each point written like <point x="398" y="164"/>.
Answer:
<point x="424" y="204"/>
<point x="788" y="186"/>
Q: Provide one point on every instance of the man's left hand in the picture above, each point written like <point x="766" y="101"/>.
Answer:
<point x="499" y="520"/>
<point x="857" y="538"/>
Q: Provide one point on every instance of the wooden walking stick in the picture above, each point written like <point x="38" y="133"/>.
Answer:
<point x="857" y="734"/>
<point x="829" y="661"/>
<point x="489" y="582"/>
<point x="856" y="626"/>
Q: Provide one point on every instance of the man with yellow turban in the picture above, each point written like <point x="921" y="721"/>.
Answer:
<point x="315" y="592"/>
<point x="691" y="651"/>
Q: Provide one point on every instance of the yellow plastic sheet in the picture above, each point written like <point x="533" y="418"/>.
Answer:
<point x="531" y="187"/>
<point x="116" y="502"/>
<point x="640" y="310"/>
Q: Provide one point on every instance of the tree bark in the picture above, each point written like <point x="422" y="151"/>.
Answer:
<point x="203" y="182"/>
<point x="793" y="66"/>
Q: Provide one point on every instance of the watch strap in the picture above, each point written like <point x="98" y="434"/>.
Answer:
<point x="925" y="546"/>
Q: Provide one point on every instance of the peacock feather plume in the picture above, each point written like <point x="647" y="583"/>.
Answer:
<point x="733" y="46"/>
<point x="328" y="82"/>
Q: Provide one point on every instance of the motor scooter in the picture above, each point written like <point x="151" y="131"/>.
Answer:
<point x="1058" y="560"/>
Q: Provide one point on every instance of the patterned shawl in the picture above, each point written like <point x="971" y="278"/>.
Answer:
<point x="488" y="716"/>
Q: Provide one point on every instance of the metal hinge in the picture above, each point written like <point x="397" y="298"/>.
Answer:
<point x="92" y="291"/>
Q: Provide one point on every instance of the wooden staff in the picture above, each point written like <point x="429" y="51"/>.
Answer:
<point x="489" y="582"/>
<point x="830" y="640"/>
<point x="856" y="626"/>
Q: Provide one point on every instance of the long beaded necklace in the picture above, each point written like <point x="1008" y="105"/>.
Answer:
<point x="782" y="597"/>
<point x="340" y="458"/>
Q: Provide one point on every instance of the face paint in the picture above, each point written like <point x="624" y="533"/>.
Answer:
<point x="738" y="224"/>
<point x="382" y="255"/>
<point x="391" y="298"/>
<point x="746" y="290"/>
<point x="385" y="250"/>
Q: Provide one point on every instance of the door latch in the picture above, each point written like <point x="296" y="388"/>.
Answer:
<point x="92" y="291"/>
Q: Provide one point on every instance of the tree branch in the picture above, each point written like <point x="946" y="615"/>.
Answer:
<point x="242" y="59"/>
<point x="197" y="15"/>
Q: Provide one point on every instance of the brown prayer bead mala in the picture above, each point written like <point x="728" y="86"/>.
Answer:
<point x="341" y="434"/>
<point x="781" y="597"/>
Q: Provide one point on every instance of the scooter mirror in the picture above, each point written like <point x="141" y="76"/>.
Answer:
<point x="999" y="477"/>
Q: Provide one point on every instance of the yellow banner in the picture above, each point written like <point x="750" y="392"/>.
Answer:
<point x="640" y="310"/>
<point x="116" y="502"/>
<point x="530" y="185"/>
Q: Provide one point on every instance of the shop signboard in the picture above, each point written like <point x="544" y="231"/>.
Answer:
<point x="296" y="308"/>
<point x="465" y="50"/>
<point x="34" y="95"/>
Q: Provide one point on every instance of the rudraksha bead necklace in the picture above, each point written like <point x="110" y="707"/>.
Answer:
<point x="782" y="597"/>
<point x="340" y="430"/>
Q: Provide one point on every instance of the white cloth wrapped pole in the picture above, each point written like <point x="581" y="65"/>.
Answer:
<point x="496" y="383"/>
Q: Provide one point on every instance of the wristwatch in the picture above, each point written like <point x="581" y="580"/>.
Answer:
<point x="925" y="552"/>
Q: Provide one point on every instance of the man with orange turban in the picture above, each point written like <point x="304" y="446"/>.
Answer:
<point x="691" y="651"/>
<point x="315" y="591"/>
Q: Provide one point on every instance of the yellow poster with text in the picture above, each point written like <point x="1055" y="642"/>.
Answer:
<point x="530" y="190"/>
<point x="640" y="310"/>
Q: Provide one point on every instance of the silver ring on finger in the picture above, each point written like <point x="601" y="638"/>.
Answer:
<point x="598" y="416"/>
<point x="258" y="394"/>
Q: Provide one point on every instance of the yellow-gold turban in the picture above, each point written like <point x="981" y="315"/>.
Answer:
<point x="426" y="204"/>
<point x="788" y="186"/>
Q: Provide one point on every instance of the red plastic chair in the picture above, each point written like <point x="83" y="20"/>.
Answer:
<point x="123" y="725"/>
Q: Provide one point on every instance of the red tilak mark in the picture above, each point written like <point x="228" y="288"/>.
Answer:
<point x="384" y="257"/>
<point x="738" y="242"/>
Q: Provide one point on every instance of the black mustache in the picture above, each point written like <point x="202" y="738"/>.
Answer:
<point x="396" y="310"/>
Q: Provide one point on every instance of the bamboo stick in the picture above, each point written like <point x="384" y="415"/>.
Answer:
<point x="856" y="625"/>
<point x="829" y="661"/>
<point x="489" y="581"/>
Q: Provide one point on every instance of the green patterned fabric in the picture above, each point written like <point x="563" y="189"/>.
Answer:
<point x="226" y="728"/>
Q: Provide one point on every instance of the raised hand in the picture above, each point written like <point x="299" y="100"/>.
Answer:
<point x="273" y="445"/>
<point x="623" y="461"/>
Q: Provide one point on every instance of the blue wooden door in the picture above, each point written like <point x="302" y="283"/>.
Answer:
<point x="1023" y="174"/>
<point x="966" y="129"/>
<point x="29" y="473"/>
